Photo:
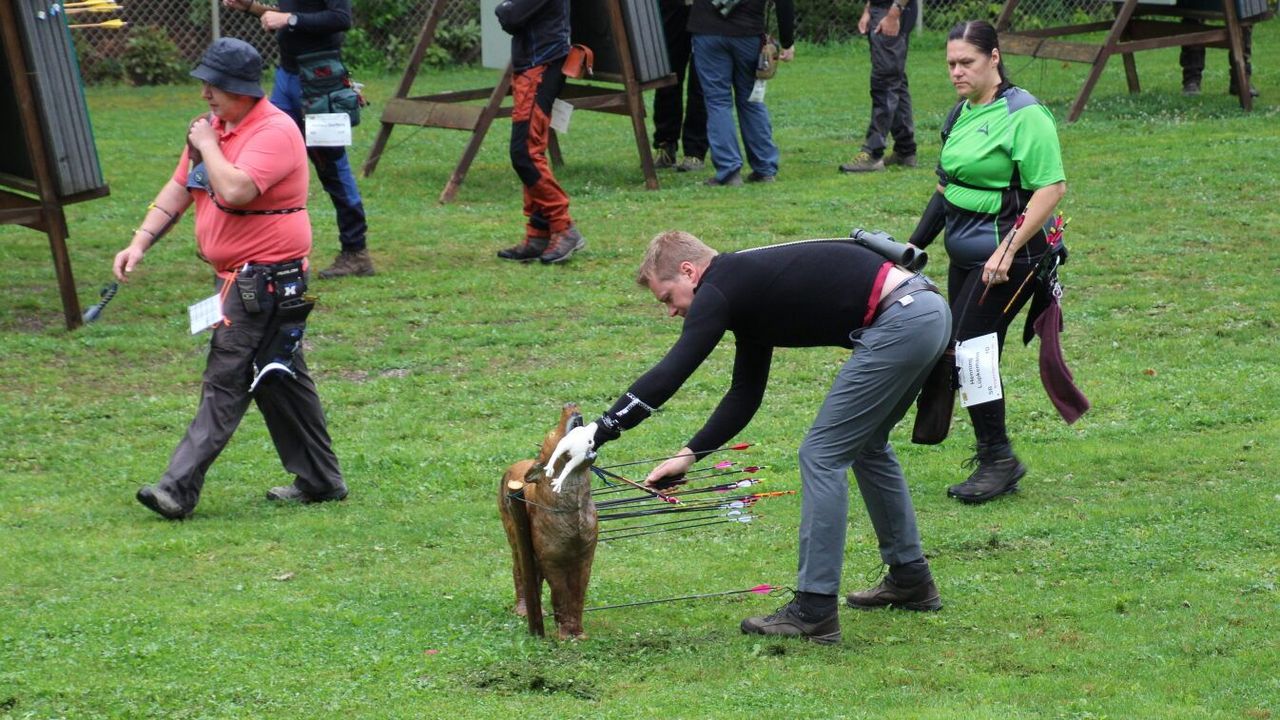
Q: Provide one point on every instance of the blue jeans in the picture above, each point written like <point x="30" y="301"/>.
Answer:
<point x="332" y="167"/>
<point x="726" y="69"/>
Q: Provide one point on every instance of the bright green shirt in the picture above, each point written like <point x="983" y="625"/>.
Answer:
<point x="991" y="145"/>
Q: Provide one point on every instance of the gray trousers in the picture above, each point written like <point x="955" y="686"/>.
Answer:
<point x="890" y="92"/>
<point x="871" y="393"/>
<point x="290" y="407"/>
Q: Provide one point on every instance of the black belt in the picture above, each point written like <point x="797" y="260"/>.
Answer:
<point x="910" y="286"/>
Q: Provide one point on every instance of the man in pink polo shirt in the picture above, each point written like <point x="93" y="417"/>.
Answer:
<point x="245" y="168"/>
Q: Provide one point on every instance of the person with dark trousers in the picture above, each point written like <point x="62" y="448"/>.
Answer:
<point x="887" y="25"/>
<point x="679" y="119"/>
<point x="727" y="39"/>
<point x="1191" y="58"/>
<point x="539" y="32"/>
<point x="1001" y="180"/>
<point x="302" y="27"/>
<point x="819" y="293"/>
<point x="245" y="169"/>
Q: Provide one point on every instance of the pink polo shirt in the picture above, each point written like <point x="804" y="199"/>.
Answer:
<point x="268" y="146"/>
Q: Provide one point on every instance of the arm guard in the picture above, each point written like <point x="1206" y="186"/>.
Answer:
<point x="931" y="222"/>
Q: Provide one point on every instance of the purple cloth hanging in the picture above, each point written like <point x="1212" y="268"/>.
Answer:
<point x="1058" y="382"/>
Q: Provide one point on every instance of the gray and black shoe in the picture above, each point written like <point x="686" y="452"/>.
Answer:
<point x="788" y="621"/>
<point x="531" y="249"/>
<point x="921" y="597"/>
<point x="665" y="157"/>
<point x="162" y="503"/>
<point x="563" y="245"/>
<point x="293" y="493"/>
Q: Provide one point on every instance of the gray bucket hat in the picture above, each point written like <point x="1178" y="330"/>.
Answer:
<point x="231" y="65"/>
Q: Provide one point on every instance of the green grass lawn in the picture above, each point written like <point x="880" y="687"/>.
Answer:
<point x="1133" y="577"/>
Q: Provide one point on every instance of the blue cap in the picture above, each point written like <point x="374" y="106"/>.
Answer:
<point x="231" y="65"/>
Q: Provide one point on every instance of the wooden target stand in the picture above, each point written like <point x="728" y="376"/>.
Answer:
<point x="44" y="211"/>
<point x="446" y="110"/>
<point x="1131" y="31"/>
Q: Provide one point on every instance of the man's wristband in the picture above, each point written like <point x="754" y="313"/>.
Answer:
<point x="901" y="4"/>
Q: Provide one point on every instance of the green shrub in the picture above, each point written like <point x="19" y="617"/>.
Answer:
<point x="97" y="68"/>
<point x="151" y="58"/>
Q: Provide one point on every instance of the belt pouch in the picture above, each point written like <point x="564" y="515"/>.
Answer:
<point x="251" y="283"/>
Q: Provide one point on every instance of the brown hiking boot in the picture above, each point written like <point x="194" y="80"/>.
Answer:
<point x="349" y="262"/>
<point x="563" y="245"/>
<point x="998" y="472"/>
<point x="863" y="162"/>
<point x="920" y="597"/>
<point x="531" y="249"/>
<point x="788" y="622"/>
<point x="903" y="160"/>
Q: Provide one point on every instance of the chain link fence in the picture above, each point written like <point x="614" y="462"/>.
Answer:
<point x="163" y="38"/>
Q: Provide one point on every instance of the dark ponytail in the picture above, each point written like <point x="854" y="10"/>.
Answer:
<point x="982" y="35"/>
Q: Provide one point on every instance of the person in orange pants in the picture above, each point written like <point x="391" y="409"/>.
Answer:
<point x="539" y="44"/>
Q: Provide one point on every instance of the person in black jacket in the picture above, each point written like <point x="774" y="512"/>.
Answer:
<point x="818" y="293"/>
<point x="539" y="32"/>
<point x="726" y="48"/>
<point x="679" y="120"/>
<point x="302" y="27"/>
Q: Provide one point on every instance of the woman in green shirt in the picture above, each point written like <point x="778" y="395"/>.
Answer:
<point x="1001" y="179"/>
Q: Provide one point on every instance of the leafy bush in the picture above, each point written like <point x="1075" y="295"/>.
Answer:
<point x="381" y="39"/>
<point x="97" y="68"/>
<point x="151" y="58"/>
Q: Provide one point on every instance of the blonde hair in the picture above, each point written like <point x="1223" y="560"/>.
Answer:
<point x="665" y="253"/>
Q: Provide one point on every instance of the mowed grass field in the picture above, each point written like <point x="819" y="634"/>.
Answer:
<point x="1134" y="576"/>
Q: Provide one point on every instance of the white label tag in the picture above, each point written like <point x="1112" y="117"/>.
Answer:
<point x="206" y="313"/>
<point x="979" y="362"/>
<point x="328" y="130"/>
<point x="560" y="113"/>
<point x="757" y="92"/>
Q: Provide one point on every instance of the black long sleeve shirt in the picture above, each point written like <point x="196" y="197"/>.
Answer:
<point x="804" y="294"/>
<point x="321" y="25"/>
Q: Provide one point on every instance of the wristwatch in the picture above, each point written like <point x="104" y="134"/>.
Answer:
<point x="293" y="20"/>
<point x="901" y="4"/>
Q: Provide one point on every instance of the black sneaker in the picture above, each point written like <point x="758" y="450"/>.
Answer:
<point x="788" y="622"/>
<point x="293" y="493"/>
<point x="563" y="245"/>
<point x="162" y="503"/>
<point x="922" y="597"/>
<point x="992" y="478"/>
<point x="531" y="249"/>
<point x="756" y="177"/>
<point x="1191" y="88"/>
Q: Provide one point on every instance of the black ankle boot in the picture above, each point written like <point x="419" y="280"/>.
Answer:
<point x="998" y="472"/>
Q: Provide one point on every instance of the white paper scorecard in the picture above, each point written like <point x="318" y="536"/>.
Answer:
<point x="561" y="111"/>
<point x="978" y="360"/>
<point x="328" y="130"/>
<point x="205" y="314"/>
